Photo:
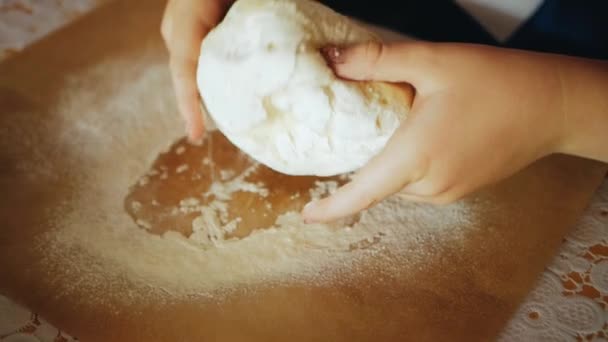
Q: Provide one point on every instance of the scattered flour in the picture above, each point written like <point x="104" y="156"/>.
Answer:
<point x="97" y="155"/>
<point x="181" y="168"/>
<point x="224" y="190"/>
<point x="143" y="224"/>
<point x="153" y="173"/>
<point x="323" y="188"/>
<point x="189" y="202"/>
<point x="143" y="181"/>
<point x="226" y="174"/>
<point x="136" y="206"/>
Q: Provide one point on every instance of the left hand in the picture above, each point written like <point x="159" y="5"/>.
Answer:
<point x="185" y="24"/>
<point x="479" y="115"/>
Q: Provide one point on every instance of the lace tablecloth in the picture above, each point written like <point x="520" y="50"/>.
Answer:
<point x="570" y="302"/>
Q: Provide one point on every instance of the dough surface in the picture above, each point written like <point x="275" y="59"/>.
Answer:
<point x="269" y="90"/>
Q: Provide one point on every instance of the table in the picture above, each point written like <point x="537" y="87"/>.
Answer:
<point x="570" y="301"/>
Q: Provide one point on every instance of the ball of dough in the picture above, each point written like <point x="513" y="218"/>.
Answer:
<point x="269" y="90"/>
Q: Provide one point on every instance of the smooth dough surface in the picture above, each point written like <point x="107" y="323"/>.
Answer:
<point x="269" y="90"/>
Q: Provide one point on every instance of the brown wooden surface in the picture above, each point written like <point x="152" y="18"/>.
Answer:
<point x="285" y="193"/>
<point x="463" y="293"/>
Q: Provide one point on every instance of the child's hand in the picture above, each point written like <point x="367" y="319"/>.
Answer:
<point x="185" y="24"/>
<point x="480" y="114"/>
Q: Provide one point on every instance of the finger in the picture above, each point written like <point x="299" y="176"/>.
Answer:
<point x="183" y="33"/>
<point x="185" y="25"/>
<point x="183" y="73"/>
<point x="396" y="62"/>
<point x="385" y="174"/>
<point x="183" y="64"/>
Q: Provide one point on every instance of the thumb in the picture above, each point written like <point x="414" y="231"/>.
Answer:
<point x="394" y="62"/>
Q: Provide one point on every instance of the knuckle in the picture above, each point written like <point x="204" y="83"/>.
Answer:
<point x="164" y="35"/>
<point x="368" y="202"/>
<point x="425" y="54"/>
<point x="165" y="25"/>
<point x="440" y="200"/>
<point x="431" y="185"/>
<point x="440" y="186"/>
<point x="374" y="53"/>
<point x="437" y="189"/>
<point x="165" y="29"/>
<point x="431" y="188"/>
<point x="446" y="198"/>
<point x="424" y="50"/>
<point x="420" y="163"/>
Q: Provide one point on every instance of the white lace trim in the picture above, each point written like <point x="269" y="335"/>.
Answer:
<point x="570" y="301"/>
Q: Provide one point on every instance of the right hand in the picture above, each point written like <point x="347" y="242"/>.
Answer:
<point x="185" y="23"/>
<point x="480" y="114"/>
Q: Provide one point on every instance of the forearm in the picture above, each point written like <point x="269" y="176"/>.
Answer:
<point x="585" y="105"/>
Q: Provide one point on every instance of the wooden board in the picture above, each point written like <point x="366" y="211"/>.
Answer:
<point x="463" y="293"/>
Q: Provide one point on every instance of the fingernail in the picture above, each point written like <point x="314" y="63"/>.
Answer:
<point x="333" y="54"/>
<point x="196" y="138"/>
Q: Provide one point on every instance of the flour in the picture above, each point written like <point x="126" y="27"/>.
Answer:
<point x="143" y="181"/>
<point x="323" y="188"/>
<point x="135" y="206"/>
<point x="188" y="205"/>
<point x="143" y="224"/>
<point x="182" y="168"/>
<point x="212" y="226"/>
<point x="226" y="174"/>
<point x="224" y="190"/>
<point x="189" y="202"/>
<point x="95" y="157"/>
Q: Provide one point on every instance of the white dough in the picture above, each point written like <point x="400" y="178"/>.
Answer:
<point x="269" y="90"/>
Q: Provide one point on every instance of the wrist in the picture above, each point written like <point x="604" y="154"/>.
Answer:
<point x="584" y="107"/>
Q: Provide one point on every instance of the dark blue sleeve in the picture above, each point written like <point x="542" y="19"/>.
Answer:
<point x="578" y="28"/>
<point x="439" y="21"/>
